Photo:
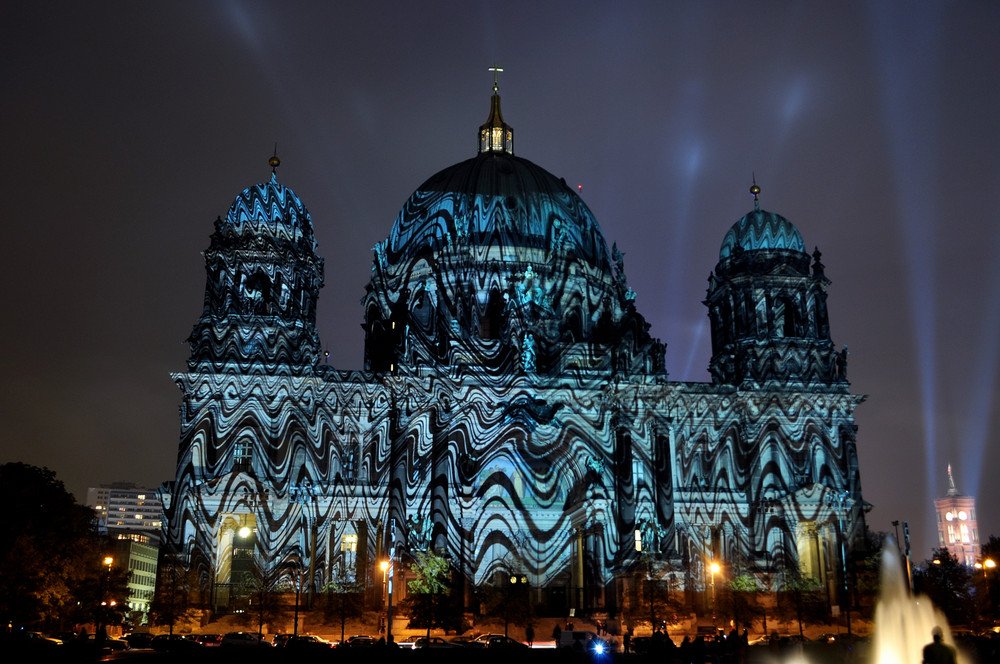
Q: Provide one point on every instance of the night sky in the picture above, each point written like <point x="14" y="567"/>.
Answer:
<point x="128" y="127"/>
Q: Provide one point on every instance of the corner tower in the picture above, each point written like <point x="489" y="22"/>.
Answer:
<point x="263" y="282"/>
<point x="251" y="444"/>
<point x="767" y="307"/>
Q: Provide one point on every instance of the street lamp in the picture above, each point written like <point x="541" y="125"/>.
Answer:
<point x="987" y="564"/>
<point x="515" y="581"/>
<point x="714" y="567"/>
<point x="385" y="569"/>
<point x="104" y="583"/>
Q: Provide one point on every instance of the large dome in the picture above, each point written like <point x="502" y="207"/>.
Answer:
<point x="497" y="200"/>
<point x="761" y="230"/>
<point x="271" y="210"/>
<point x="494" y="262"/>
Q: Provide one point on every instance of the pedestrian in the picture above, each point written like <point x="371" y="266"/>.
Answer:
<point x="529" y="635"/>
<point x="937" y="651"/>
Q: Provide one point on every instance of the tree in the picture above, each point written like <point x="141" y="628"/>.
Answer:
<point x="652" y="597"/>
<point x="50" y="555"/>
<point x="990" y="580"/>
<point x="428" y="595"/>
<point x="803" y="601"/>
<point x="743" y="604"/>
<point x="948" y="584"/>
<point x="175" y="586"/>
<point x="263" y="589"/>
<point x="508" y="598"/>
<point x="344" y="598"/>
<point x="868" y="570"/>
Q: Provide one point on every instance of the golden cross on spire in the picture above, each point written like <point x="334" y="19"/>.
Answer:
<point x="496" y="69"/>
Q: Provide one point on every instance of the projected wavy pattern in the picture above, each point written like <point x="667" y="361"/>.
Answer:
<point x="515" y="413"/>
<point x="761" y="230"/>
<point x="496" y="264"/>
<point x="272" y="210"/>
<point x="499" y="201"/>
<point x="473" y="473"/>
<point x="262" y="286"/>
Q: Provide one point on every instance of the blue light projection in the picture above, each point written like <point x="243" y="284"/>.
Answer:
<point x="514" y="411"/>
<point x="909" y="122"/>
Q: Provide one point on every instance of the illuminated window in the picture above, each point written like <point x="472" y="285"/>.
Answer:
<point x="349" y="543"/>
<point x="638" y="472"/>
<point x="241" y="455"/>
<point x="638" y="540"/>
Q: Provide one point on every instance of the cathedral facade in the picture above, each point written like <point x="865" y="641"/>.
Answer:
<point x="514" y="413"/>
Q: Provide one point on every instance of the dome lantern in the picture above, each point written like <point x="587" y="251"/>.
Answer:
<point x="495" y="135"/>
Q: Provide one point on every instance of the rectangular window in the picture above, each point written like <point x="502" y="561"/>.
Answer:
<point x="350" y="462"/>
<point x="638" y="473"/>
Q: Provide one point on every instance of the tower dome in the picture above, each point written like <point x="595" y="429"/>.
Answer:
<point x="761" y="230"/>
<point x="270" y="210"/>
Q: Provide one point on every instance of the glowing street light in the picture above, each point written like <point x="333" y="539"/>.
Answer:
<point x="987" y="564"/>
<point x="714" y="567"/>
<point x="387" y="572"/>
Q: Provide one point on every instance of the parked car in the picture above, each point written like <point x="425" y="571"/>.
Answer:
<point x="709" y="632"/>
<point x="139" y="639"/>
<point x="174" y="643"/>
<point x="243" y="640"/>
<point x="434" y="642"/>
<point x="110" y="642"/>
<point x="498" y="641"/>
<point x="306" y="642"/>
<point x="359" y="641"/>
<point x="23" y="639"/>
<point x="209" y="640"/>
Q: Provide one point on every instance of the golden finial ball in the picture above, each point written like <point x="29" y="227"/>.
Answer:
<point x="755" y="190"/>
<point x="274" y="162"/>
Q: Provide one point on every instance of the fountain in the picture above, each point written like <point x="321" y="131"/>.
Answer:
<point x="903" y="623"/>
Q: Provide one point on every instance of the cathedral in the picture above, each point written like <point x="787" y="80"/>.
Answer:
<point x="514" y="413"/>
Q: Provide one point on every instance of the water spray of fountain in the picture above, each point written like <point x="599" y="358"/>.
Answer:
<point x="903" y="622"/>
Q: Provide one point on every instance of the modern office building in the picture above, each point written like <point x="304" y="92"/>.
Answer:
<point x="123" y="507"/>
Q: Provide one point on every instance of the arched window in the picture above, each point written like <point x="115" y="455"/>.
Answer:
<point x="784" y="317"/>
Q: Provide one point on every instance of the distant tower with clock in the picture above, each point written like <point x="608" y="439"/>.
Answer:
<point x="957" y="528"/>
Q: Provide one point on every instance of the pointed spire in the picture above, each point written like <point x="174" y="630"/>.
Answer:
<point x="496" y="135"/>
<point x="952" y="491"/>
<point x="755" y="192"/>
<point x="274" y="162"/>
